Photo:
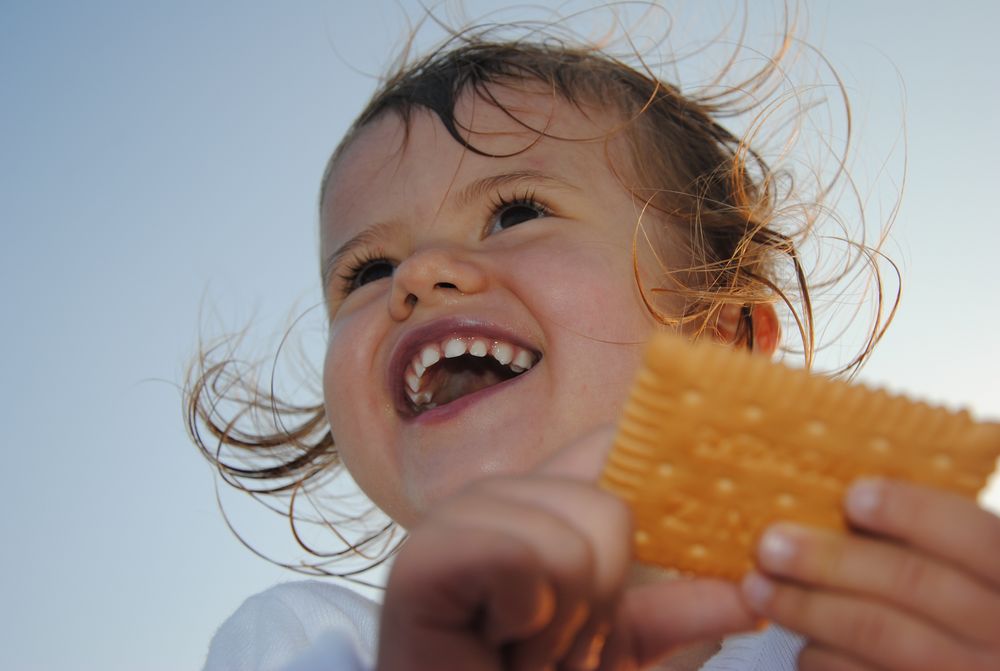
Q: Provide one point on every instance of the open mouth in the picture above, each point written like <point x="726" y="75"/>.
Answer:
<point x="440" y="373"/>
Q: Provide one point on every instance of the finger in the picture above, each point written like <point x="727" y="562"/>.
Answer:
<point x="816" y="657"/>
<point x="932" y="589"/>
<point x="874" y="632"/>
<point x="663" y="616"/>
<point x="602" y="519"/>
<point x="565" y="555"/>
<point x="432" y="595"/>
<point x="605" y="523"/>
<point x="926" y="518"/>
<point x="583" y="459"/>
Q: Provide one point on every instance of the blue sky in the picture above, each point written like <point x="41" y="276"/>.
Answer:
<point x="160" y="171"/>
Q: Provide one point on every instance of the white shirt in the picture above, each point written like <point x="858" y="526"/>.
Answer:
<point x="317" y="626"/>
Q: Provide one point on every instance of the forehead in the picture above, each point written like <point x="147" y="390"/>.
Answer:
<point x="522" y="126"/>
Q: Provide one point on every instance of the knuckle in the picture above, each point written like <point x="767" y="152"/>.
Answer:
<point x="910" y="577"/>
<point x="868" y="630"/>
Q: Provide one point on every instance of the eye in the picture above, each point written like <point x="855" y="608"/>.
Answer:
<point x="510" y="213"/>
<point x="365" y="271"/>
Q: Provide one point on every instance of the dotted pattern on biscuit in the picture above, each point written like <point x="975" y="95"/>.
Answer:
<point x="715" y="444"/>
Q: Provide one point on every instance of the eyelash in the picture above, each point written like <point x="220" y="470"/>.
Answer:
<point x="361" y="262"/>
<point x="525" y="199"/>
<point x="366" y="259"/>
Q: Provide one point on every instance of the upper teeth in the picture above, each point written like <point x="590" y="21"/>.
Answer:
<point x="516" y="358"/>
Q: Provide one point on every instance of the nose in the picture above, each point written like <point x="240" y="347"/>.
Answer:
<point x="431" y="276"/>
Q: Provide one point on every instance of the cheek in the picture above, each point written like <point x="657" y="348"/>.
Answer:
<point x="596" y="324"/>
<point x="349" y="368"/>
<point x="342" y="369"/>
<point x="590" y="290"/>
<point x="350" y="385"/>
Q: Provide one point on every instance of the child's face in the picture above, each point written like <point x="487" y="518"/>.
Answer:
<point x="532" y="251"/>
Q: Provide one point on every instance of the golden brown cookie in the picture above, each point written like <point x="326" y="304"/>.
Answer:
<point x="715" y="444"/>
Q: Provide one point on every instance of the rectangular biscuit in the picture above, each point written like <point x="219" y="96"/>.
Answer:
<point x="715" y="444"/>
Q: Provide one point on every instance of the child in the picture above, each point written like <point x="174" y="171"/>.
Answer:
<point x="501" y="230"/>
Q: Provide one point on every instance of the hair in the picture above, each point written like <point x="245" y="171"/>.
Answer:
<point x="741" y="220"/>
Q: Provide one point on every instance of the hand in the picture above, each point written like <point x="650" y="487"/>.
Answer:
<point x="917" y="586"/>
<point x="529" y="572"/>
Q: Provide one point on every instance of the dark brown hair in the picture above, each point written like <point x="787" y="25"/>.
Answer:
<point x="740" y="219"/>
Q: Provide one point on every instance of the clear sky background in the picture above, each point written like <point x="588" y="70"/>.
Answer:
<point x="160" y="161"/>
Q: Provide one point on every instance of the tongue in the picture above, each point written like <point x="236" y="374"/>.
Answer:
<point x="463" y="383"/>
<point x="454" y="380"/>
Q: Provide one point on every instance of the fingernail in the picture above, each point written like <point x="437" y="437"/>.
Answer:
<point x="777" y="547"/>
<point x="757" y="590"/>
<point x="863" y="498"/>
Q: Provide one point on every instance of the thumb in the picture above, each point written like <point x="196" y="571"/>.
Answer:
<point x="583" y="459"/>
<point x="663" y="616"/>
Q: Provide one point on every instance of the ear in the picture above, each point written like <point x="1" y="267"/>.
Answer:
<point x="765" y="330"/>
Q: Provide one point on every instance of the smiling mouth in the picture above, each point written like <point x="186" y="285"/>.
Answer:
<point x="441" y="373"/>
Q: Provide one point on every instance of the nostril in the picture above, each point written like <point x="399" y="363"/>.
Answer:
<point x="411" y="300"/>
<point x="445" y="285"/>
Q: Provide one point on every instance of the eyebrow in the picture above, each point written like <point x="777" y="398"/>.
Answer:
<point x="465" y="196"/>
<point x="487" y="185"/>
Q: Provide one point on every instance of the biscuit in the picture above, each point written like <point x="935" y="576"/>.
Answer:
<point x="715" y="444"/>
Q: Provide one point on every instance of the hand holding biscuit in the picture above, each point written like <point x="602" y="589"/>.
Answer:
<point x="715" y="446"/>
<point x="914" y="585"/>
